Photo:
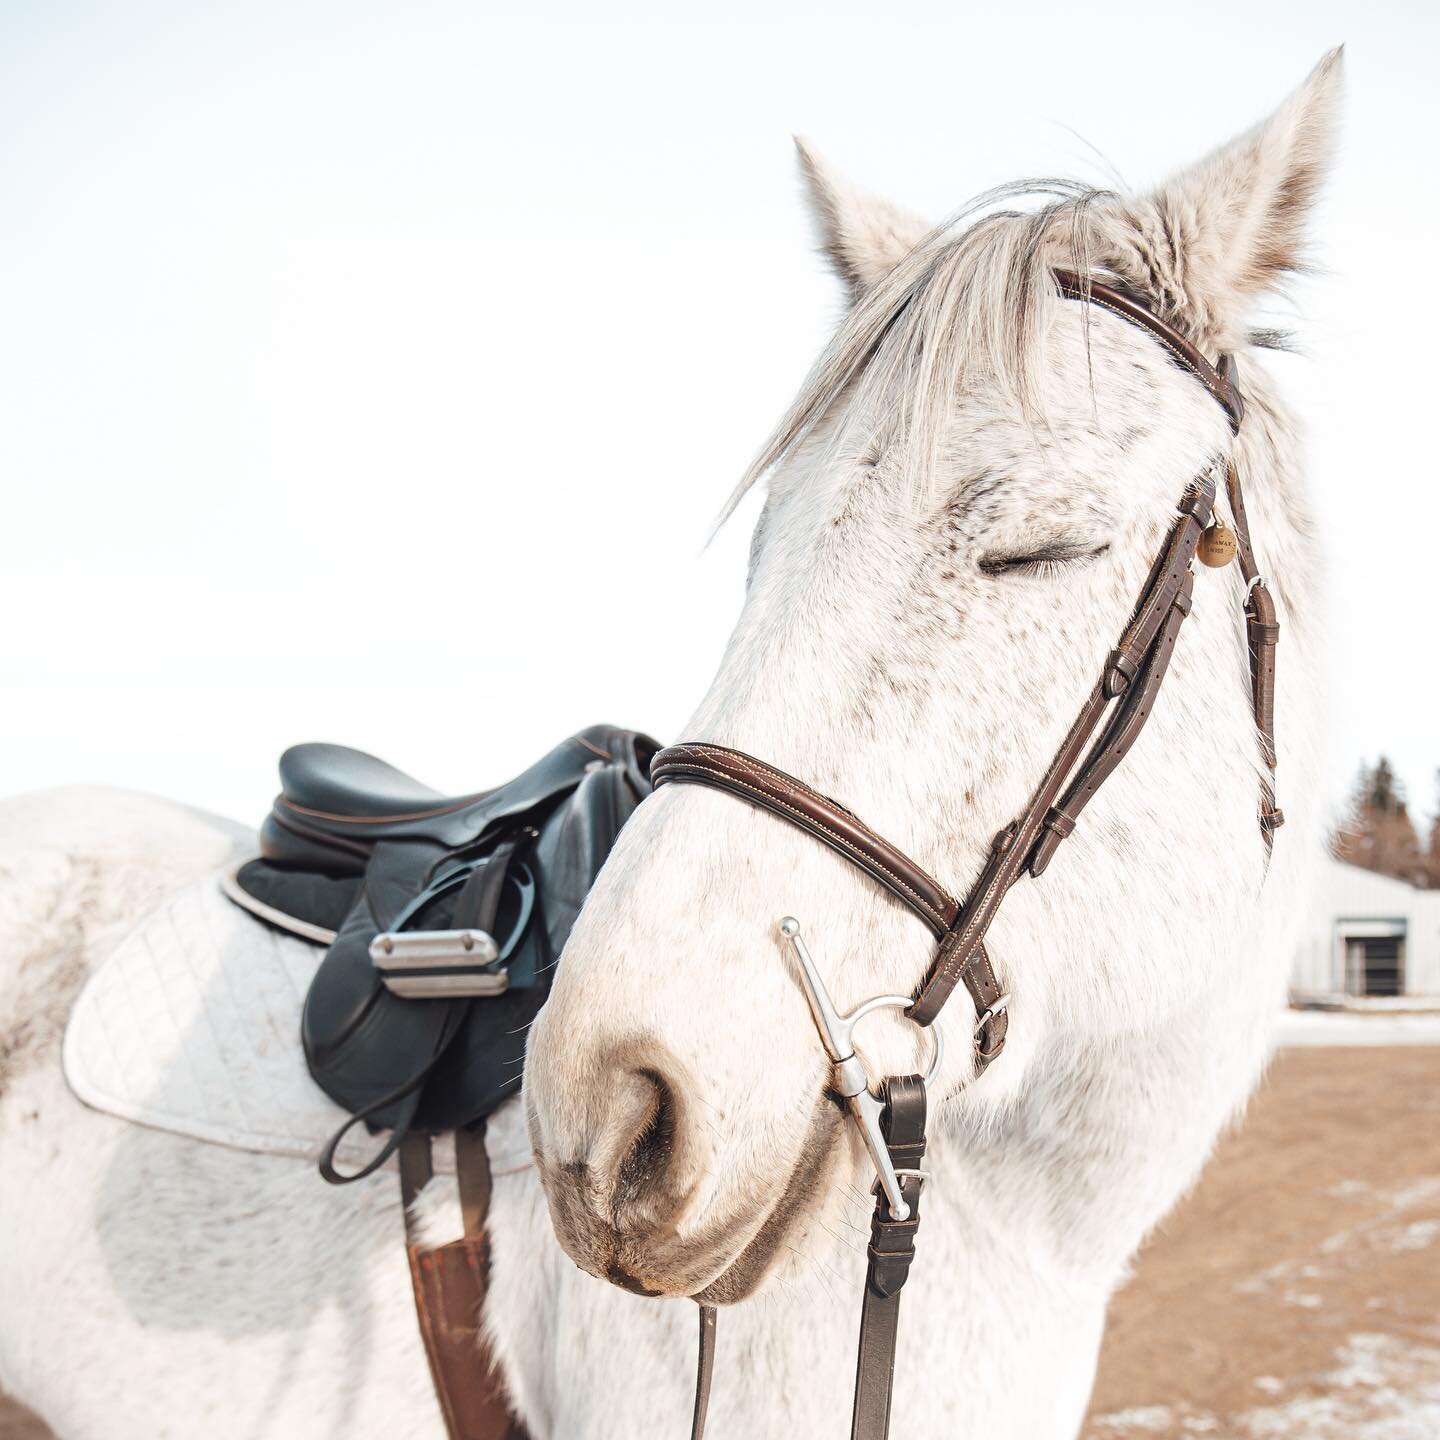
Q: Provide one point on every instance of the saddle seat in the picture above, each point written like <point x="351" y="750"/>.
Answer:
<point x="336" y="804"/>
<point x="337" y="781"/>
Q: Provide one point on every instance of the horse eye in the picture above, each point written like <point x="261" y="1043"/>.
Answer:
<point x="1046" y="561"/>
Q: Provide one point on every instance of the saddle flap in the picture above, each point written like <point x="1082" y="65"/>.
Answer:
<point x="191" y="1025"/>
<point x="442" y="1056"/>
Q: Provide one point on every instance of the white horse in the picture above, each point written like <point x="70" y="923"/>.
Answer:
<point x="950" y="545"/>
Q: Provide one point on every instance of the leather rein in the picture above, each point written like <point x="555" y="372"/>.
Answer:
<point x="1110" y="719"/>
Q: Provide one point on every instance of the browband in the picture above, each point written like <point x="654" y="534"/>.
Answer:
<point x="1125" y="693"/>
<point x="1127" y="307"/>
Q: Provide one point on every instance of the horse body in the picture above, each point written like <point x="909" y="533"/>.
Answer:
<point x="151" y="1285"/>
<point x="928" y="601"/>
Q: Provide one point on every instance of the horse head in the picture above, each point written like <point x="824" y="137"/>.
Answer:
<point x="962" y="504"/>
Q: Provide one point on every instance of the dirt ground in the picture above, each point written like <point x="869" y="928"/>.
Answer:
<point x="18" y="1424"/>
<point x="1296" y="1294"/>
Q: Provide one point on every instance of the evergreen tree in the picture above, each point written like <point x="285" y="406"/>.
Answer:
<point x="1432" y="851"/>
<point x="1378" y="833"/>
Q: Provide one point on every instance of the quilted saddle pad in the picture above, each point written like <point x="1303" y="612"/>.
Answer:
<point x="192" y="1025"/>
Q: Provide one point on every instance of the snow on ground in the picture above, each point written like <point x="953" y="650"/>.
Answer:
<point x="1341" y="1027"/>
<point x="1380" y="1388"/>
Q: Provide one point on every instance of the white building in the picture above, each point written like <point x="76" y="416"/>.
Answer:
<point x="1368" y="937"/>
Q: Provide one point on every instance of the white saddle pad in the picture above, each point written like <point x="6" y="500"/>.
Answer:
<point x="193" y="1025"/>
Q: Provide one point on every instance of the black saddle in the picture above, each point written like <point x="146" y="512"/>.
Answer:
<point x="444" y="917"/>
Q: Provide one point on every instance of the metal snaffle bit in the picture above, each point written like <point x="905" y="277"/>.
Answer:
<point x="851" y="1080"/>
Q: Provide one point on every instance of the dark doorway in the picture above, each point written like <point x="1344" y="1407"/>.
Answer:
<point x="1375" y="965"/>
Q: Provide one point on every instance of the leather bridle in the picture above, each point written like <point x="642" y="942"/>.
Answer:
<point x="1109" y="721"/>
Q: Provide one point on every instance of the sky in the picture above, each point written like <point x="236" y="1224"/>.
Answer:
<point x="374" y="373"/>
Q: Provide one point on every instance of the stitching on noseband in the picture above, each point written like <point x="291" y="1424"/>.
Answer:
<point x="840" y="840"/>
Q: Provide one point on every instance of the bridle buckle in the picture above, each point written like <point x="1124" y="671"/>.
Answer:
<point x="991" y="1012"/>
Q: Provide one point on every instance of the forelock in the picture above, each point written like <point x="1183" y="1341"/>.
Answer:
<point x="968" y="300"/>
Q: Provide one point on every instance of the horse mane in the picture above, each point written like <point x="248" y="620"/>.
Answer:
<point x="968" y="297"/>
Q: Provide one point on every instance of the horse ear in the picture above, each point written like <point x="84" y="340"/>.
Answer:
<point x="1234" y="225"/>
<point x="862" y="236"/>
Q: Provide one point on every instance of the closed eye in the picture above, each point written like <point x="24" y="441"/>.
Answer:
<point x="1048" y="560"/>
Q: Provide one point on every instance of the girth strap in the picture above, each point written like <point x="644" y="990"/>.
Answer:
<point x="450" y="1284"/>
<point x="892" y="1249"/>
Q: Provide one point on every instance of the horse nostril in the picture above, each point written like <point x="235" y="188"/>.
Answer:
<point x="652" y="1179"/>
<point x="645" y="1162"/>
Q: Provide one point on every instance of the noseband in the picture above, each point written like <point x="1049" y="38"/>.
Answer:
<point x="892" y="1123"/>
